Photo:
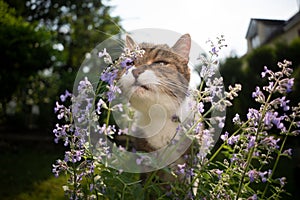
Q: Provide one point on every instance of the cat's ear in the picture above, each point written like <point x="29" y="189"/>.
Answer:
<point x="183" y="46"/>
<point x="129" y="43"/>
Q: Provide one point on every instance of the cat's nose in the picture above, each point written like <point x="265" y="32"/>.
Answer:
<point x="137" y="72"/>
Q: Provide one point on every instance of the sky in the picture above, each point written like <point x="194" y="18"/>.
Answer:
<point x="203" y="19"/>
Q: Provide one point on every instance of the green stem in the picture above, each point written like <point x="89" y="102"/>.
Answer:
<point x="149" y="180"/>
<point x="224" y="144"/>
<point x="244" y="172"/>
<point x="276" y="161"/>
<point x="74" y="181"/>
<point x="259" y="128"/>
<point x="108" y="114"/>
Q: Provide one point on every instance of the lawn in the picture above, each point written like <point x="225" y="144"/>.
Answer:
<point x="26" y="170"/>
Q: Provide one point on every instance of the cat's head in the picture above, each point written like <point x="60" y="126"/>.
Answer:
<point x="161" y="76"/>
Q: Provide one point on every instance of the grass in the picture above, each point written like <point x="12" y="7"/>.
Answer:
<point x="25" y="170"/>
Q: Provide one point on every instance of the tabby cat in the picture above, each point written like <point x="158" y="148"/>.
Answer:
<point x="157" y="88"/>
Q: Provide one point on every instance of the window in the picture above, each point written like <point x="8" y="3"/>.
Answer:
<point x="255" y="42"/>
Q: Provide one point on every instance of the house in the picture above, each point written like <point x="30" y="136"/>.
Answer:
<point x="267" y="31"/>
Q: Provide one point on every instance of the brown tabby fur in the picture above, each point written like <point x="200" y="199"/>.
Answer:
<point x="163" y="72"/>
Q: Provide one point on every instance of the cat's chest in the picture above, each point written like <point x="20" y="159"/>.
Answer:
<point x="159" y="137"/>
<point x="159" y="125"/>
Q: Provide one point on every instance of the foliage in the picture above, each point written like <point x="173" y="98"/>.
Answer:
<point x="232" y="71"/>
<point x="246" y="70"/>
<point x="26" y="169"/>
<point x="250" y="153"/>
<point x="263" y="56"/>
<point x="24" y="51"/>
<point x="77" y="25"/>
<point x="45" y="36"/>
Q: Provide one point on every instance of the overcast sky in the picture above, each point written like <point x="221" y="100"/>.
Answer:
<point x="203" y="19"/>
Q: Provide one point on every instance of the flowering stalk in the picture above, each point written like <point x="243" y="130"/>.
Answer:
<point x="92" y="178"/>
<point x="279" y="154"/>
<point x="259" y="129"/>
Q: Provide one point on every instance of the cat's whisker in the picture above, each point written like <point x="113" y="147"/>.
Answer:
<point x="112" y="37"/>
<point x="117" y="25"/>
<point x="182" y="88"/>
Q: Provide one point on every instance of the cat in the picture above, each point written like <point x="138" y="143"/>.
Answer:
<point x="157" y="87"/>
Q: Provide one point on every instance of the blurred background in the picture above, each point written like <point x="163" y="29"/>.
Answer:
<point x="43" y="43"/>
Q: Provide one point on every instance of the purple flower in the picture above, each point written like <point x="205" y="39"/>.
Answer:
<point x="107" y="130"/>
<point x="251" y="142"/>
<point x="258" y="95"/>
<point x="254" y="197"/>
<point x="109" y="76"/>
<point x="267" y="71"/>
<point x="269" y="88"/>
<point x="107" y="59"/>
<point x="60" y="132"/>
<point x="252" y="175"/>
<point x="84" y="84"/>
<point x="269" y="172"/>
<point x="271" y="142"/>
<point x="277" y="121"/>
<point x="287" y="152"/>
<point x="298" y="124"/>
<point x="236" y="119"/>
<point x="257" y="92"/>
<point x="282" y="181"/>
<point x="262" y="176"/>
<point x="224" y="137"/>
<point x="200" y="107"/>
<point x="283" y="103"/>
<point x="119" y="107"/>
<point x="289" y="84"/>
<point x="99" y="106"/>
<point x="91" y="187"/>
<point x="214" y="51"/>
<point x="268" y="119"/>
<point x="181" y="168"/>
<point x="190" y="172"/>
<point x="220" y="121"/>
<point x="112" y="92"/>
<point x="126" y="63"/>
<point x="63" y="97"/>
<point x="198" y="128"/>
<point x="73" y="156"/>
<point x="59" y="167"/>
<point x="58" y="107"/>
<point x="253" y="115"/>
<point x="61" y="115"/>
<point x="233" y="158"/>
<point x="219" y="173"/>
<point x="55" y="170"/>
<point x="103" y="53"/>
<point x="233" y="139"/>
<point x="139" y="160"/>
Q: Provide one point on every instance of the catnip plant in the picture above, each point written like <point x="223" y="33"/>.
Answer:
<point x="243" y="167"/>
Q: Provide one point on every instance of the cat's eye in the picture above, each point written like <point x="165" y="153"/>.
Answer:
<point x="160" y="62"/>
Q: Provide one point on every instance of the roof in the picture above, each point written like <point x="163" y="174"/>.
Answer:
<point x="278" y="26"/>
<point x="292" y="21"/>
<point x="252" y="28"/>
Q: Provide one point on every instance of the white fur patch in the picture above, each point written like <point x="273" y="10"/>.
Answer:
<point x="155" y="109"/>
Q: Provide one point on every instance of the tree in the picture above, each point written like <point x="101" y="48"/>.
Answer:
<point x="42" y="34"/>
<point x="77" y="25"/>
<point x="231" y="70"/>
<point x="24" y="50"/>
